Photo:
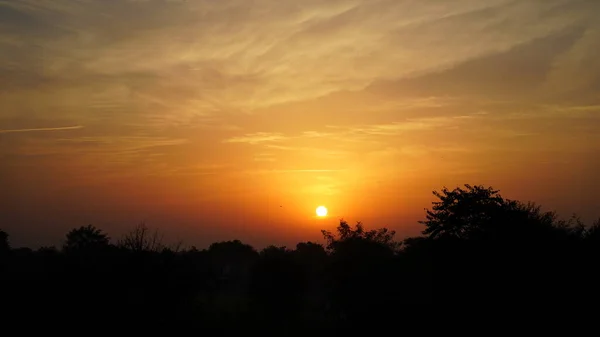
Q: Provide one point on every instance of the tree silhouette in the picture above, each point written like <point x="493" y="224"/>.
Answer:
<point x="4" y="244"/>
<point x="478" y="212"/>
<point x="278" y="282"/>
<point x="360" y="260"/>
<point x="142" y="239"/>
<point x="232" y="259"/>
<point x="474" y="233"/>
<point x="593" y="232"/>
<point x="85" y="239"/>
<point x="310" y="253"/>
<point x="312" y="258"/>
<point x="477" y="249"/>
<point x="346" y="235"/>
<point x="460" y="213"/>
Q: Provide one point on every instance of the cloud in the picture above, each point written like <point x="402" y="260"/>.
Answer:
<point x="256" y="138"/>
<point x="265" y="157"/>
<point x="268" y="138"/>
<point x="75" y="127"/>
<point x="124" y="143"/>
<point x="203" y="64"/>
<point x="518" y="73"/>
<point x="291" y="171"/>
<point x="106" y="154"/>
<point x="325" y="80"/>
<point x="408" y="125"/>
<point x="347" y="133"/>
<point x="244" y="56"/>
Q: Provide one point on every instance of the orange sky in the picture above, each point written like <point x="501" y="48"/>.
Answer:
<point x="216" y="120"/>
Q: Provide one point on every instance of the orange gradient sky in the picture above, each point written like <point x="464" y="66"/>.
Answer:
<point x="216" y="120"/>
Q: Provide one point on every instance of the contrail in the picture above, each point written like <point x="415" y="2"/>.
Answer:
<point x="44" y="129"/>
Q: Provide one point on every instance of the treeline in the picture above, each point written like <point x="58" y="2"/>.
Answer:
<point x="477" y="249"/>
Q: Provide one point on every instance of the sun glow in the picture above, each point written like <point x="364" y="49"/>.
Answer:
<point x="321" y="211"/>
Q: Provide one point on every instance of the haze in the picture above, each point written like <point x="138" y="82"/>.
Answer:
<point x="215" y="120"/>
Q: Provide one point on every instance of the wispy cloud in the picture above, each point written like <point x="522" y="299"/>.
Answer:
<point x="277" y="87"/>
<point x="282" y="171"/>
<point x="345" y="133"/>
<point x="256" y="138"/>
<point x="408" y="125"/>
<point x="99" y="154"/>
<point x="257" y="58"/>
<point x="62" y="128"/>
<point x="125" y="143"/>
<point x="273" y="139"/>
<point x="305" y="170"/>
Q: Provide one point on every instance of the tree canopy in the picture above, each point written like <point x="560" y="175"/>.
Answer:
<point x="86" y="239"/>
<point x="479" y="212"/>
<point x="348" y="236"/>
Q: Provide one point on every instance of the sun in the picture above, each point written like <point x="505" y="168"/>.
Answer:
<point x="321" y="211"/>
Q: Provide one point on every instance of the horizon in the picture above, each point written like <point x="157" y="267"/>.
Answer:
<point x="214" y="121"/>
<point x="320" y="222"/>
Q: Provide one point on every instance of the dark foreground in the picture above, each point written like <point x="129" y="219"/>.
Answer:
<point x="479" y="253"/>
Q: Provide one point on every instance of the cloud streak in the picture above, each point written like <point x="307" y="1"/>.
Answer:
<point x="62" y="128"/>
<point x="257" y="138"/>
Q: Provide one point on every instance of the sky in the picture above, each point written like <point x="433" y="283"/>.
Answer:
<point x="216" y="120"/>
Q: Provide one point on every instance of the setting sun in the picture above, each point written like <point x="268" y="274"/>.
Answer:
<point x="321" y="211"/>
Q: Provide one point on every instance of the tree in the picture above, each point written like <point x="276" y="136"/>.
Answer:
<point x="232" y="259"/>
<point x="310" y="253"/>
<point x="312" y="259"/>
<point x="4" y="244"/>
<point x="593" y="232"/>
<point x="142" y="239"/>
<point x="278" y="283"/>
<point x="274" y="252"/>
<point x="360" y="261"/>
<point x="382" y="237"/>
<point x="461" y="212"/>
<point x="231" y="251"/>
<point x="86" y="239"/>
<point x="478" y="212"/>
